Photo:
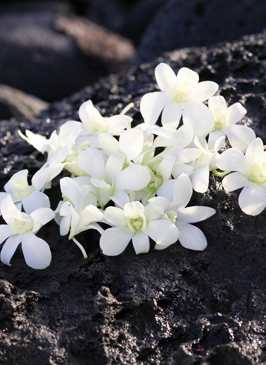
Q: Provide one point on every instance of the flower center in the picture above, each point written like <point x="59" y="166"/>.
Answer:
<point x="219" y="119"/>
<point x="137" y="223"/>
<point x="21" y="225"/>
<point x="170" y="215"/>
<point x="257" y="173"/>
<point x="182" y="91"/>
<point x="22" y="190"/>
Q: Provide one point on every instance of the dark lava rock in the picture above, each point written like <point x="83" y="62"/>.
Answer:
<point x="191" y="23"/>
<point x="38" y="59"/>
<point x="16" y="103"/>
<point x="139" y="16"/>
<point x="174" y="306"/>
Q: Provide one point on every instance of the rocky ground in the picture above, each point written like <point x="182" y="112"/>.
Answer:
<point x="166" y="307"/>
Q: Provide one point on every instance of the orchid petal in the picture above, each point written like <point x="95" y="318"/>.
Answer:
<point x="120" y="198"/>
<point x="20" y="177"/>
<point x="9" y="248"/>
<point x="117" y="123"/>
<point x="232" y="160"/>
<point x="131" y="143"/>
<point x="217" y="102"/>
<point x="255" y="150"/>
<point x="171" y="115"/>
<point x="67" y="209"/>
<point x="40" y="178"/>
<point x="166" y="189"/>
<point x="5" y="232"/>
<point x="152" y="213"/>
<point x="65" y="225"/>
<point x="72" y="191"/>
<point x="240" y="136"/>
<point x="203" y="91"/>
<point x="161" y="204"/>
<point x="199" y="118"/>
<point x="235" y="113"/>
<point x="166" y="166"/>
<point x="115" y="240"/>
<point x="36" y="251"/>
<point x="115" y="216"/>
<point x="188" y="77"/>
<point x="200" y="179"/>
<point x="41" y="217"/>
<point x="91" y="161"/>
<point x="35" y="201"/>
<point x="108" y="143"/>
<point x="252" y="199"/>
<point x="195" y="214"/>
<point x="40" y="143"/>
<point x="134" y="177"/>
<point x="165" y="78"/>
<point x="234" y="181"/>
<point x="191" y="237"/>
<point x="213" y="137"/>
<point x="114" y="165"/>
<point x="152" y="104"/>
<point x="182" y="169"/>
<point x="182" y="191"/>
<point x="163" y="232"/>
<point x="141" y="242"/>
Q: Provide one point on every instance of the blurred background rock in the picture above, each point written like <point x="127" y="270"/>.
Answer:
<point x="51" y="49"/>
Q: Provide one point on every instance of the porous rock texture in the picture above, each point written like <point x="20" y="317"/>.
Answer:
<point x="174" y="306"/>
<point x="192" y="23"/>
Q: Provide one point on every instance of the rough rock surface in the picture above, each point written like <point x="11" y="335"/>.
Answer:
<point x="192" y="23"/>
<point x="166" y="307"/>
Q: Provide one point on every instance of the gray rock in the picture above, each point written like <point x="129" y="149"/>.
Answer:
<point x="51" y="63"/>
<point x="19" y="104"/>
<point x="166" y="307"/>
<point x="199" y="23"/>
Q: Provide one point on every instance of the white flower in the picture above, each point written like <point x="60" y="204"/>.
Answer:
<point x="110" y="179"/>
<point x="78" y="211"/>
<point x="179" y="93"/>
<point x="138" y="223"/>
<point x="224" y="124"/>
<point x="23" y="193"/>
<point x="205" y="163"/>
<point x="66" y="137"/>
<point x="21" y="228"/>
<point x="250" y="174"/>
<point x="93" y="123"/>
<point x="173" y="198"/>
<point x="130" y="144"/>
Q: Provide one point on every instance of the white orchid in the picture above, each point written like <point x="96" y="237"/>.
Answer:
<point x="23" y="193"/>
<point x="93" y="123"/>
<point x="21" y="228"/>
<point x="250" y="174"/>
<point x="78" y="211"/>
<point x="110" y="179"/>
<point x="205" y="163"/>
<point x="66" y="137"/>
<point x="181" y="93"/>
<point x="173" y="198"/>
<point x="138" y="223"/>
<point x="130" y="144"/>
<point x="225" y="119"/>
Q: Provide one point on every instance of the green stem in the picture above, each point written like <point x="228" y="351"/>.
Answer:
<point x="81" y="248"/>
<point x="127" y="108"/>
<point x="220" y="174"/>
<point x="147" y="197"/>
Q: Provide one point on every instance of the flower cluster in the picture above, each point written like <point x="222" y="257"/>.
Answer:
<point x="138" y="181"/>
